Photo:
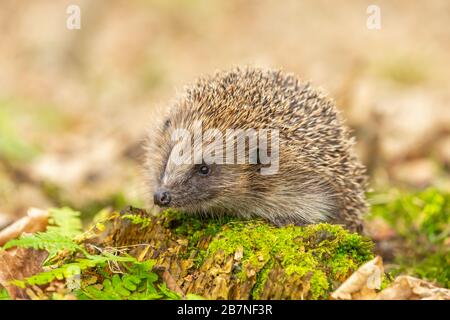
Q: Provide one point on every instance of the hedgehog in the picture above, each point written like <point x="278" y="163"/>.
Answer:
<point x="318" y="177"/>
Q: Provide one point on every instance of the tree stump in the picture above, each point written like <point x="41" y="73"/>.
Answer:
<point x="236" y="259"/>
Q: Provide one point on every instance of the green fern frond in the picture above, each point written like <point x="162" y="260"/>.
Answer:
<point x="50" y="241"/>
<point x="64" y="224"/>
<point x="137" y="284"/>
<point x="121" y="276"/>
<point x="170" y="295"/>
<point x="65" y="271"/>
<point x="65" y="221"/>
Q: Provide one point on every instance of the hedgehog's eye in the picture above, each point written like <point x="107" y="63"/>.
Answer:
<point x="204" y="170"/>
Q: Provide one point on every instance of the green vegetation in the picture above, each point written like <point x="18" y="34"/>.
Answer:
<point x="4" y="294"/>
<point x="64" y="221"/>
<point x="135" y="219"/>
<point x="422" y="221"/>
<point x="315" y="257"/>
<point x="137" y="282"/>
<point x="109" y="274"/>
<point x="320" y="254"/>
<point x="195" y="229"/>
<point x="64" y="224"/>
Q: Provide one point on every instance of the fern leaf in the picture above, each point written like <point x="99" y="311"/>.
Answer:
<point x="63" y="272"/>
<point x="50" y="241"/>
<point x="65" y="221"/>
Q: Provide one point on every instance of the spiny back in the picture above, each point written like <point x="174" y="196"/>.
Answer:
<point x="313" y="139"/>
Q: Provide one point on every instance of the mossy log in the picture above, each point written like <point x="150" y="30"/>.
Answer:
<point x="235" y="259"/>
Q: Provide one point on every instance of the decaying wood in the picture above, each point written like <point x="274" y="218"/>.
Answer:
<point x="214" y="278"/>
<point x="192" y="262"/>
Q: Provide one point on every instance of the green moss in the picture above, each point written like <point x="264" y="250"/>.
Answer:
<point x="314" y="258"/>
<point x="435" y="266"/>
<point x="322" y="253"/>
<point x="319" y="285"/>
<point x="261" y="278"/>
<point x="194" y="228"/>
<point x="136" y="219"/>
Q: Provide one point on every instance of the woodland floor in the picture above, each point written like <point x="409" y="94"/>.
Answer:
<point x="74" y="105"/>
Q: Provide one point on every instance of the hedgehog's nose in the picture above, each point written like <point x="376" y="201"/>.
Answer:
<point x="161" y="198"/>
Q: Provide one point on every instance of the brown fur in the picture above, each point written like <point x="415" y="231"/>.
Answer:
<point x="319" y="177"/>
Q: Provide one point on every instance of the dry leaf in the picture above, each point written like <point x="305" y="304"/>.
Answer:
<point x="171" y="283"/>
<point x="18" y="264"/>
<point x="410" y="288"/>
<point x="34" y="221"/>
<point x="5" y="220"/>
<point x="363" y="282"/>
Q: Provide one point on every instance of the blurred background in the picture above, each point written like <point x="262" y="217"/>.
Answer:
<point x="74" y="104"/>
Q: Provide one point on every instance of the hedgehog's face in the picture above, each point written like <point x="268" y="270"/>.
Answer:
<point x="184" y="185"/>
<point x="198" y="187"/>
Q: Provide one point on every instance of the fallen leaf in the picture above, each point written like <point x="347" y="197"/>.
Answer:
<point x="18" y="264"/>
<point x="410" y="288"/>
<point x="5" y="220"/>
<point x="171" y="283"/>
<point x="363" y="282"/>
<point x="34" y="221"/>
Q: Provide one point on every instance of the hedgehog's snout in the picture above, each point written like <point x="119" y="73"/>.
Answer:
<point x="162" y="198"/>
